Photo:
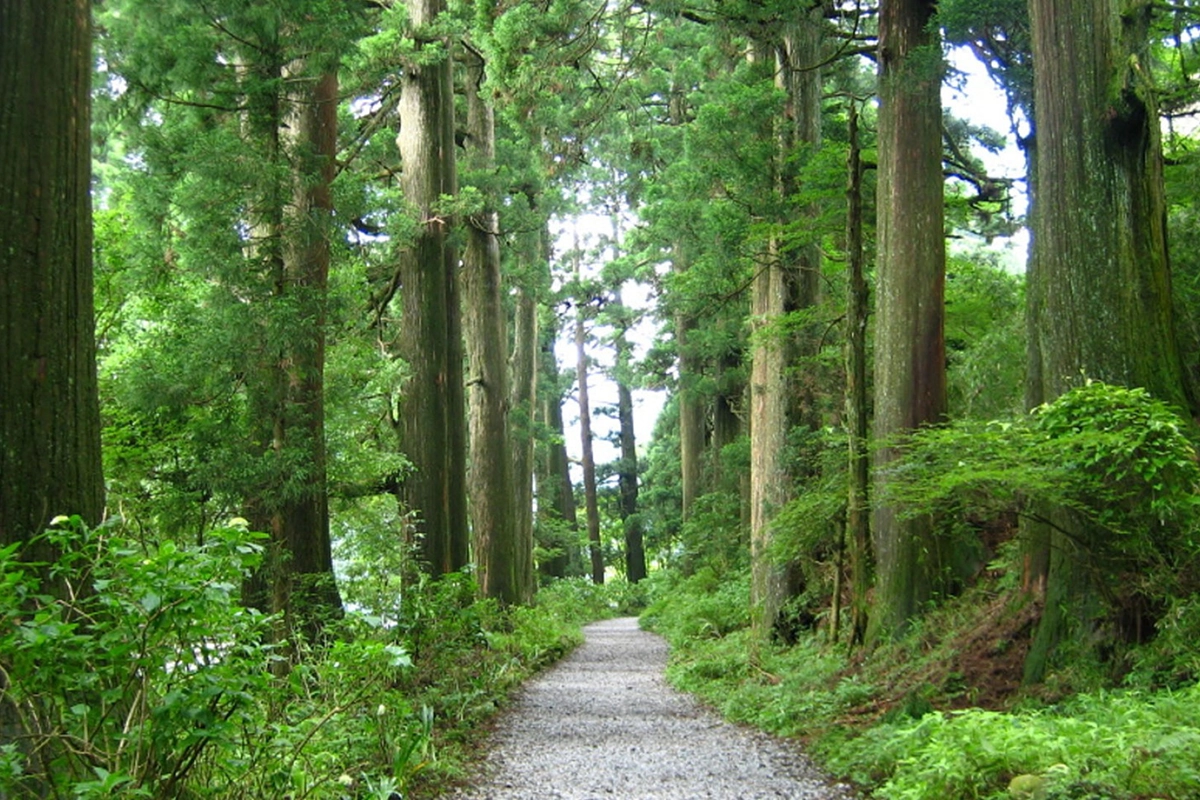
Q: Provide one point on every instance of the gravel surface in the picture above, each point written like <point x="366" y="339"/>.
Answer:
<point x="603" y="723"/>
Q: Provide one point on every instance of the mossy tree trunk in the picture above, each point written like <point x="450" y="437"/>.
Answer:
<point x="524" y="373"/>
<point x="910" y="360"/>
<point x="1102" y="297"/>
<point x="858" y="513"/>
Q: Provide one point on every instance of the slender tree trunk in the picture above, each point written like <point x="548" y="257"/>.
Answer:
<point x="49" y="411"/>
<point x="857" y="509"/>
<point x="692" y="422"/>
<point x="305" y="590"/>
<point x="557" y="519"/>
<point x="627" y="472"/>
<point x="430" y="422"/>
<point x="591" y="505"/>
<point x="1103" y="299"/>
<point x="493" y="517"/>
<point x="523" y="403"/>
<point x="910" y="360"/>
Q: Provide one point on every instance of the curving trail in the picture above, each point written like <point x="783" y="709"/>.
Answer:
<point x="604" y="724"/>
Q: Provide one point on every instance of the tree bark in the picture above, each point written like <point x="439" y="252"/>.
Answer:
<point x="910" y="361"/>
<point x="430" y="424"/>
<point x="491" y="487"/>
<point x="557" y="520"/>
<point x="49" y="407"/>
<point x="305" y="590"/>
<point x="692" y="421"/>
<point x="49" y="411"/>
<point x="524" y="373"/>
<point x="786" y="283"/>
<point x="858" y="526"/>
<point x="1103" y="298"/>
<point x="627" y="472"/>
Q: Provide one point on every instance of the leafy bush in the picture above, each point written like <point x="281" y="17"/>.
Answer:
<point x="137" y="668"/>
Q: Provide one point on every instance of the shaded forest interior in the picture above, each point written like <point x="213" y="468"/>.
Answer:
<point x="326" y="327"/>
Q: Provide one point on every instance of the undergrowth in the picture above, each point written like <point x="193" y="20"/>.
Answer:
<point x="909" y="722"/>
<point x="140" y="675"/>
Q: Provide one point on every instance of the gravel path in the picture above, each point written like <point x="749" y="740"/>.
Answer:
<point x="604" y="724"/>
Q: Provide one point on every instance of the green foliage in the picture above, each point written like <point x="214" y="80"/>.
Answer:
<point x="1113" y="745"/>
<point x="1117" y="456"/>
<point x="704" y="605"/>
<point x="985" y="338"/>
<point x="136" y="673"/>
<point x="164" y="686"/>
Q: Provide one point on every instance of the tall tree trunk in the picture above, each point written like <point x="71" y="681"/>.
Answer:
<point x="591" y="506"/>
<point x="305" y="591"/>
<point x="692" y="422"/>
<point x="430" y="422"/>
<point x="627" y="472"/>
<point x="557" y="520"/>
<point x="49" y="407"/>
<point x="1103" y="281"/>
<point x="493" y="518"/>
<point x="49" y="411"/>
<point x="289" y="251"/>
<point x="910" y="360"/>
<point x="787" y="283"/>
<point x="524" y="371"/>
<point x="858" y="525"/>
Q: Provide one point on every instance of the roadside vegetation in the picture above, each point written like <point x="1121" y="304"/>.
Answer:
<point x="945" y="710"/>
<point x="145" y="677"/>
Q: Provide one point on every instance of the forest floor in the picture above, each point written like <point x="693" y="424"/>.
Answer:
<point x="604" y="724"/>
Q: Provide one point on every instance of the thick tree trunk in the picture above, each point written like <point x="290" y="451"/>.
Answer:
<point x="491" y="488"/>
<point x="910" y="360"/>
<point x="49" y="412"/>
<point x="49" y="408"/>
<point x="1103" y="300"/>
<point x="430" y="423"/>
